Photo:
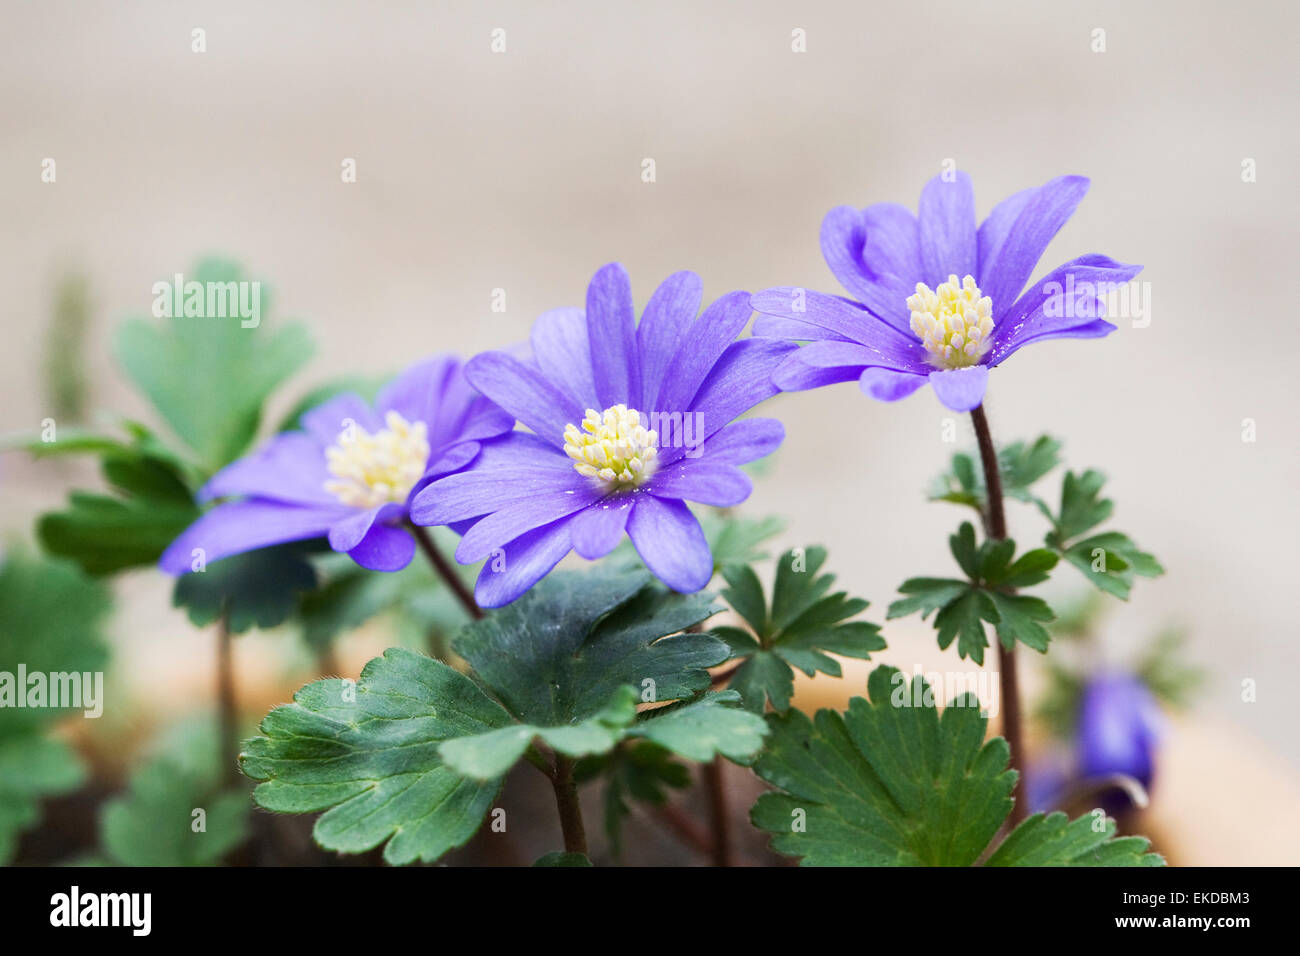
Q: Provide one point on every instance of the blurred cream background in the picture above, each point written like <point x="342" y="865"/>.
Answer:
<point x="521" y="171"/>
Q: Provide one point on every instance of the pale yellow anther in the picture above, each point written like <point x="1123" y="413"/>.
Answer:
<point x="953" y="322"/>
<point x="371" y="470"/>
<point x="613" y="447"/>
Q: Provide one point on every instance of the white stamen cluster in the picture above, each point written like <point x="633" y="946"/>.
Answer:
<point x="613" y="447"/>
<point x="371" y="470"/>
<point x="952" y="321"/>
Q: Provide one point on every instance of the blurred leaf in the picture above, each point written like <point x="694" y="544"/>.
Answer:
<point x="157" y="822"/>
<point x="32" y="767"/>
<point x="891" y="782"/>
<point x="106" y="534"/>
<point x="634" y="770"/>
<point x="365" y="386"/>
<point x="51" y="623"/>
<point x="255" y="589"/>
<point x="65" y="363"/>
<point x="738" y="540"/>
<point x="803" y="627"/>
<point x="1020" y="465"/>
<point x="208" y="377"/>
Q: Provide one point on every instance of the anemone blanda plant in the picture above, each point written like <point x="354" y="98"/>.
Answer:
<point x="349" y="474"/>
<point x="938" y="300"/>
<point x="625" y="422"/>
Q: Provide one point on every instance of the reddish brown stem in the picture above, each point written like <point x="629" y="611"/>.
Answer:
<point x="1012" y="727"/>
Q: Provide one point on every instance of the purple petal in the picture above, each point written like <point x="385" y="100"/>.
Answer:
<point x="327" y="421"/>
<point x="947" y="216"/>
<point x="891" y="348"/>
<point x="453" y="459"/>
<point x="611" y="329"/>
<point x="772" y="327"/>
<point x="1072" y="297"/>
<point x="521" y="564"/>
<point x="876" y="255"/>
<point x="417" y="393"/>
<point x="793" y="376"/>
<point x="1006" y="261"/>
<point x="746" y="440"/>
<point x="702" y="480"/>
<point x="348" y="533"/>
<point x="699" y="351"/>
<point x="384" y="548"/>
<point x="671" y="543"/>
<point x="503" y="467"/>
<point x="246" y="526"/>
<point x="525" y="393"/>
<point x="961" y="389"/>
<point x="290" y="467"/>
<point x="668" y="315"/>
<point x="560" y="347"/>
<point x="887" y="385"/>
<point x="596" y="531"/>
<point x="523" y="515"/>
<point x="741" y="379"/>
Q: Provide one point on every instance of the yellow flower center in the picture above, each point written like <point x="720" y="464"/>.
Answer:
<point x="613" y="447"/>
<point x="953" y="321"/>
<point x="371" y="470"/>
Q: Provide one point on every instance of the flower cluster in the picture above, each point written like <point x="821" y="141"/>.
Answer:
<point x="609" y="425"/>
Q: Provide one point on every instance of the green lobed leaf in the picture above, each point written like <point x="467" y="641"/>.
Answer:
<point x="891" y="782"/>
<point x="558" y="654"/>
<point x="634" y="770"/>
<point x="884" y="785"/>
<point x="369" y="756"/>
<point x="209" y="377"/>
<point x="803" y="627"/>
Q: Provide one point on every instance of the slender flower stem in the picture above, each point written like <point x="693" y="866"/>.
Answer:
<point x="570" y="809"/>
<point x="227" y="718"/>
<point x="997" y="528"/>
<point x="717" y="787"/>
<point x="446" y="571"/>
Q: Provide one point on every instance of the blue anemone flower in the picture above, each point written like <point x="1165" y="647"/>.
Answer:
<point x="935" y="298"/>
<point x="625" y="422"/>
<point x="348" y="475"/>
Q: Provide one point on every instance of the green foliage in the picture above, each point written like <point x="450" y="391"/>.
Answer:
<point x="1110" y="560"/>
<point x="563" y="650"/>
<point x="562" y="859"/>
<point x="368" y="755"/>
<point x="109" y="533"/>
<point x="51" y="621"/>
<point x="208" y="377"/>
<point x="255" y="589"/>
<point x="1020" y="465"/>
<point x="155" y="823"/>
<point x="65" y="358"/>
<point x="988" y="595"/>
<point x="634" y="770"/>
<point x="415" y="754"/>
<point x="738" y="540"/>
<point x="32" y="767"/>
<point x="804" y="625"/>
<point x="891" y="782"/>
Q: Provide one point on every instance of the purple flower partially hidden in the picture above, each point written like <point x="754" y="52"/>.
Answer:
<point x="349" y="474"/>
<point x="627" y="422"/>
<point x="1119" y="723"/>
<point x="936" y="299"/>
